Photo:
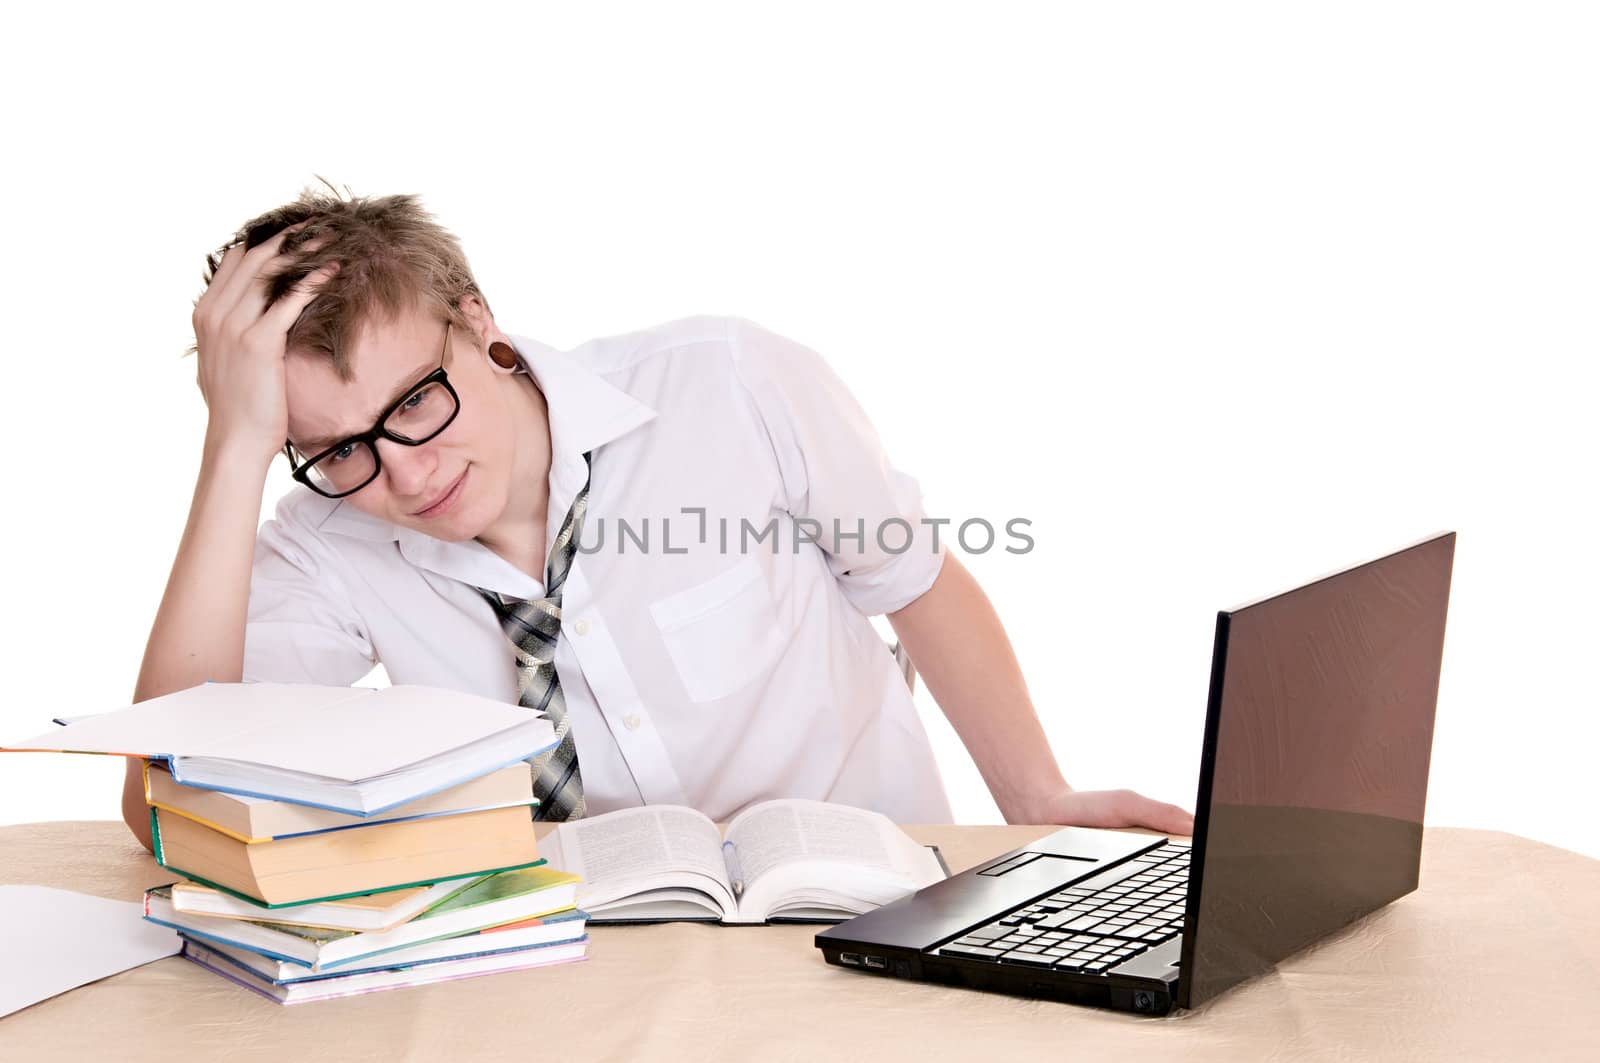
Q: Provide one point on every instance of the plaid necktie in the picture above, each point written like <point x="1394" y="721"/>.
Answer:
<point x="533" y="626"/>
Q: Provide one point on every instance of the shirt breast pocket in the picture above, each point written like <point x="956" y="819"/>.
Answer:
<point x="722" y="633"/>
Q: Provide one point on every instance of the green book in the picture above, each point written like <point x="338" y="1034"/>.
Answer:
<point x="506" y="897"/>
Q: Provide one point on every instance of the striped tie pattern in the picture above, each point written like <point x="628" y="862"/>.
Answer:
<point x="533" y="627"/>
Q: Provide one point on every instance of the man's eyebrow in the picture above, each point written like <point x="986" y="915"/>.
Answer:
<point x="311" y="446"/>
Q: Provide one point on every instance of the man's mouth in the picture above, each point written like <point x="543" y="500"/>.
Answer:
<point x="444" y="501"/>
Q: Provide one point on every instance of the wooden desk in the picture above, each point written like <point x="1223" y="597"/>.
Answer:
<point x="1497" y="956"/>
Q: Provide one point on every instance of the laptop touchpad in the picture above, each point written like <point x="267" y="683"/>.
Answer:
<point x="1050" y="863"/>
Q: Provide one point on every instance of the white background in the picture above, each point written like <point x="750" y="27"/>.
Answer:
<point x="1220" y="297"/>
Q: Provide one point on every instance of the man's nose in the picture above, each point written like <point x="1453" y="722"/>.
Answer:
<point x="408" y="468"/>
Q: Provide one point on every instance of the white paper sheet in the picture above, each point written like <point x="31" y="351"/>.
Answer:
<point x="56" y="940"/>
<point x="359" y="732"/>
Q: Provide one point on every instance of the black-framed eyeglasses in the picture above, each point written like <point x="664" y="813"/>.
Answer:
<point x="352" y="463"/>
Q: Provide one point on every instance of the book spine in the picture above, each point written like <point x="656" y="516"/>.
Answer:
<point x="155" y="839"/>
<point x="532" y="801"/>
<point x="208" y="824"/>
<point x="177" y="776"/>
<point x="236" y="980"/>
<point x="203" y="937"/>
<point x="469" y="879"/>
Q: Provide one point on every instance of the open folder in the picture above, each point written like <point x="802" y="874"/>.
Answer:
<point x="357" y="750"/>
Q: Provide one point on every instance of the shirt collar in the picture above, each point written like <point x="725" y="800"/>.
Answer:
<point x="586" y="412"/>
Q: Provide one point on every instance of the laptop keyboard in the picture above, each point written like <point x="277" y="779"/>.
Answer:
<point x="1085" y="930"/>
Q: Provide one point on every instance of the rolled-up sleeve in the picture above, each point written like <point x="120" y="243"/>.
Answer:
<point x="300" y="625"/>
<point x="869" y="515"/>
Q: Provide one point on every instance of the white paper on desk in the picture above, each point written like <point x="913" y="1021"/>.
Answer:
<point x="56" y="940"/>
<point x="360" y="732"/>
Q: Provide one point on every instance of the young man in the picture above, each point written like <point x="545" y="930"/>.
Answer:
<point x="669" y="540"/>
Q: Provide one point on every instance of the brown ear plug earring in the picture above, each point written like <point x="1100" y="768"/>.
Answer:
<point x="503" y="357"/>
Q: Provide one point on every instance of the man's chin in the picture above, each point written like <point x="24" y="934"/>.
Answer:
<point x="471" y="515"/>
<point x="451" y="528"/>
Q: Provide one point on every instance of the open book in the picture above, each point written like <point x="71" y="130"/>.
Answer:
<point x="784" y="861"/>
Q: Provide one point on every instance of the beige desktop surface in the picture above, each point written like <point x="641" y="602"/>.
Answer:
<point x="1496" y="956"/>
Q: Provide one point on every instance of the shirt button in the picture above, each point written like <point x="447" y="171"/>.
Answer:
<point x="581" y="627"/>
<point x="631" y="721"/>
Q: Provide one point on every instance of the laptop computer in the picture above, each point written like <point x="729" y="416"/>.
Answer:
<point x="1313" y="775"/>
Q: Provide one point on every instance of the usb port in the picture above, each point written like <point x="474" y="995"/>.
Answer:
<point x="879" y="962"/>
<point x="852" y="958"/>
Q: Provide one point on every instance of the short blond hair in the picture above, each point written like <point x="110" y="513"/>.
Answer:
<point x="393" y="258"/>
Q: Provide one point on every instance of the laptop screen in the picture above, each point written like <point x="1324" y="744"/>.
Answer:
<point x="1315" y="767"/>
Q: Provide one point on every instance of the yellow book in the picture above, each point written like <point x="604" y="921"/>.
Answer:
<point x="333" y="865"/>
<point x="257" y="819"/>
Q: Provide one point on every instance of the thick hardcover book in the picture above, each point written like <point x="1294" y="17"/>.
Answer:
<point x="333" y="866"/>
<point x="257" y="819"/>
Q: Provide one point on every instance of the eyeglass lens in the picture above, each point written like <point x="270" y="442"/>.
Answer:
<point x="420" y="416"/>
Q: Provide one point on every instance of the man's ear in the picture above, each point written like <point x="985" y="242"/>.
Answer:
<point x="483" y="327"/>
<point x="487" y="336"/>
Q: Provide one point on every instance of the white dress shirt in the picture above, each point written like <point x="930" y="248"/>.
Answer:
<point x="699" y="670"/>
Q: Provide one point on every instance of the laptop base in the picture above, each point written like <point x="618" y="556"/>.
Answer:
<point x="1153" y="996"/>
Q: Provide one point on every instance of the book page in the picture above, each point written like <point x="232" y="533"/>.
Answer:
<point x="773" y="832"/>
<point x="823" y="859"/>
<point x="617" y="850"/>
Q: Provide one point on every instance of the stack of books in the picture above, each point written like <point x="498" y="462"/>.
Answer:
<point x="301" y="903"/>
<point x="317" y="866"/>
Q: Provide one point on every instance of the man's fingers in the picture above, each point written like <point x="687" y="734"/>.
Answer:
<point x="1169" y="819"/>
<point x="250" y="265"/>
<point x="228" y="265"/>
<point x="1176" y="821"/>
<point x="251" y="304"/>
<point x="1112" y="809"/>
<point x="1133" y="809"/>
<point x="287" y="310"/>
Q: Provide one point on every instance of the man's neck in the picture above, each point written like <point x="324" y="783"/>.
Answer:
<point x="519" y="534"/>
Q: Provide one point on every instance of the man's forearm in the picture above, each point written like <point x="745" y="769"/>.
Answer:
<point x="198" y="633"/>
<point x="960" y="649"/>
